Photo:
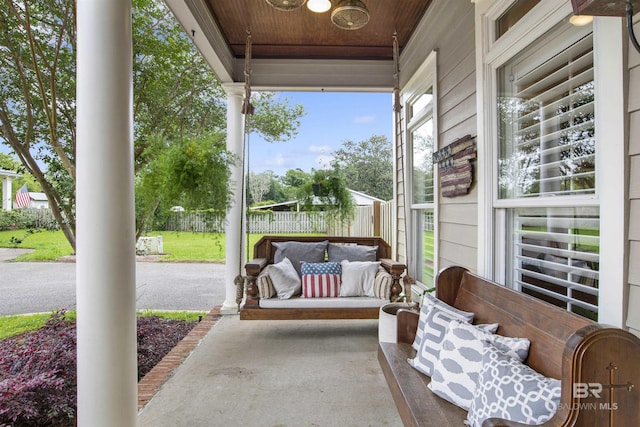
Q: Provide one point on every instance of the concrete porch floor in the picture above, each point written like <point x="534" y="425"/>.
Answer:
<point x="278" y="373"/>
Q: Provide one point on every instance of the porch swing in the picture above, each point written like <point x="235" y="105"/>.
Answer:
<point x="257" y="288"/>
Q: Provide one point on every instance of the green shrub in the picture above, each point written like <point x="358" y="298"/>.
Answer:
<point x="11" y="220"/>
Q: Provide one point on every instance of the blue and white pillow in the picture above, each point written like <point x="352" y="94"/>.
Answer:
<point x="511" y="390"/>
<point x="429" y="303"/>
<point x="455" y="374"/>
<point x="435" y="315"/>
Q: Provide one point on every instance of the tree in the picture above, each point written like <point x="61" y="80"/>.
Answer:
<point x="295" y="178"/>
<point x="258" y="185"/>
<point x="193" y="173"/>
<point x="327" y="191"/>
<point x="37" y="108"/>
<point x="367" y="166"/>
<point x="176" y="94"/>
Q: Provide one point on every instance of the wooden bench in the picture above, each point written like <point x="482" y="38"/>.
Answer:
<point x="264" y="253"/>
<point x="563" y="346"/>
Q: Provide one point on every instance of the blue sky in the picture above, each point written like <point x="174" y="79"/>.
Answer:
<point x="331" y="118"/>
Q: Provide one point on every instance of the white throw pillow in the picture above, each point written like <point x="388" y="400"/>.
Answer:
<point x="455" y="374"/>
<point x="285" y="279"/>
<point x="358" y="278"/>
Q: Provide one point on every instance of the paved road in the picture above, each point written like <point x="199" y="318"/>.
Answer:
<point x="32" y="287"/>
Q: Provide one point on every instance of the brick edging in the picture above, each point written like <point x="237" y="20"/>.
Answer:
<point x="149" y="385"/>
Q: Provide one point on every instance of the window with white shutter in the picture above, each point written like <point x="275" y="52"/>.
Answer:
<point x="555" y="256"/>
<point x="546" y="161"/>
<point x="546" y="123"/>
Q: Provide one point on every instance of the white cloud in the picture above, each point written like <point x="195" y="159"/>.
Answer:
<point x="323" y="149"/>
<point x="324" y="161"/>
<point x="279" y="161"/>
<point x="364" y="119"/>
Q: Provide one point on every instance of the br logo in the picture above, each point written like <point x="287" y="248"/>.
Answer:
<point x="585" y="390"/>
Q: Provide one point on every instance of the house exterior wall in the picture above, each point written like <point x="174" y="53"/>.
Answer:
<point x="633" y="313"/>
<point x="456" y="117"/>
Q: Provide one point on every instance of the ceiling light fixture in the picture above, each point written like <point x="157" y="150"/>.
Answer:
<point x="581" y="20"/>
<point x="610" y="8"/>
<point x="319" y="6"/>
<point x="350" y="15"/>
<point x="286" y="5"/>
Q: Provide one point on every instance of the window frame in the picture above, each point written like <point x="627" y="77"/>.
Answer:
<point x="423" y="79"/>
<point x="610" y="43"/>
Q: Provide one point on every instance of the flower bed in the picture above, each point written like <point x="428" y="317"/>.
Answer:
<point x="38" y="369"/>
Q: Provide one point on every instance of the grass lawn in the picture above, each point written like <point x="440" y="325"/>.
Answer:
<point x="181" y="246"/>
<point x="18" y="324"/>
<point x="48" y="245"/>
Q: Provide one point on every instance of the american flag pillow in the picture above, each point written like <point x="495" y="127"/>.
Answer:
<point x="321" y="280"/>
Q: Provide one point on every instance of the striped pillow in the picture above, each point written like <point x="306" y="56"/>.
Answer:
<point x="265" y="285"/>
<point x="382" y="284"/>
<point x="321" y="280"/>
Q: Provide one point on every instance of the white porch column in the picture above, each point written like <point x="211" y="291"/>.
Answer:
<point x="6" y="193"/>
<point x="105" y="227"/>
<point x="234" y="232"/>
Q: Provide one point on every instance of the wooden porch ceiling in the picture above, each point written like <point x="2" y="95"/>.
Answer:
<point x="302" y="34"/>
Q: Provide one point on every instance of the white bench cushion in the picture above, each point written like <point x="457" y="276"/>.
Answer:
<point x="340" y="302"/>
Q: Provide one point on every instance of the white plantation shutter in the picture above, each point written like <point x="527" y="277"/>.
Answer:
<point x="547" y="150"/>
<point x="547" y="130"/>
<point x="556" y="256"/>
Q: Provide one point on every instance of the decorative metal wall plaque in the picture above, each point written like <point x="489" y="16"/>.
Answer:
<point x="454" y="166"/>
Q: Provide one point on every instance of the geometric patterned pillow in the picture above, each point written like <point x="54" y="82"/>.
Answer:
<point x="435" y="316"/>
<point x="265" y="286"/>
<point x="511" y="390"/>
<point x="429" y="303"/>
<point x="321" y="279"/>
<point x="455" y="374"/>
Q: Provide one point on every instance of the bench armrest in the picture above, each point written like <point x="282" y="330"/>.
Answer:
<point x="255" y="266"/>
<point x="407" y="324"/>
<point x="396" y="269"/>
<point x="253" y="269"/>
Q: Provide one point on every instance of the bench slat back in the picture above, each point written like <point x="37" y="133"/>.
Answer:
<point x="520" y="315"/>
<point x="265" y="249"/>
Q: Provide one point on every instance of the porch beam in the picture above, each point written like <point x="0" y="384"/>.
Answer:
<point x="105" y="267"/>
<point x="316" y="75"/>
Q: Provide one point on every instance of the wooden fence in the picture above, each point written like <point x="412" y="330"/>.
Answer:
<point x="376" y="220"/>
<point x="259" y="222"/>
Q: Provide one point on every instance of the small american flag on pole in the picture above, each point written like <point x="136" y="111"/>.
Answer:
<point x="22" y="197"/>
